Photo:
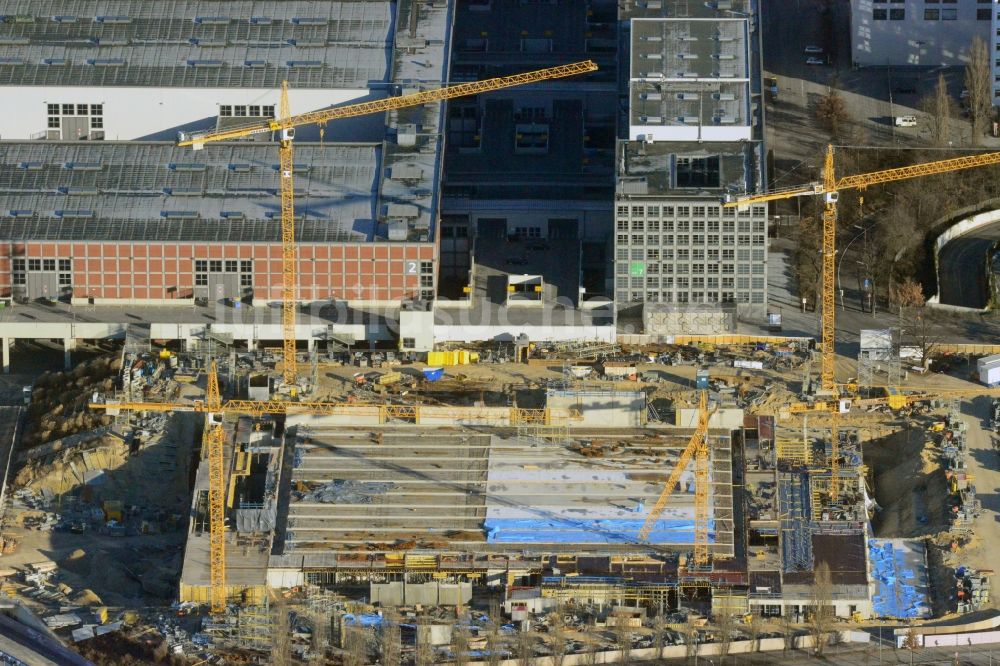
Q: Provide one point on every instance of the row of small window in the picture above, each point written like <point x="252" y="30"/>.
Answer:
<point x="223" y="266"/>
<point x="96" y="122"/>
<point x="246" y="110"/>
<point x="728" y="226"/>
<point x="21" y="279"/>
<point x="689" y="239"/>
<point x="75" y="109"/>
<point x="695" y="269"/>
<point x="693" y="283"/>
<point x="683" y="254"/>
<point x="692" y="297"/>
<point x="686" y="211"/>
<point x="19" y="264"/>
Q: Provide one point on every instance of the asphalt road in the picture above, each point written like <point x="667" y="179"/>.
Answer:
<point x="962" y="269"/>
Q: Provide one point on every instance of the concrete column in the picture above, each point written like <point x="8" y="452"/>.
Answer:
<point x="5" y="345"/>
<point x="69" y="344"/>
<point x="250" y="343"/>
<point x="310" y="343"/>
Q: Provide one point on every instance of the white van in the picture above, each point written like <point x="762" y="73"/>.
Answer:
<point x="906" y="121"/>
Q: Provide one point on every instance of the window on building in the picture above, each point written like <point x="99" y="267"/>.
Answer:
<point x="215" y="266"/>
<point x="637" y="239"/>
<point x="880" y="14"/>
<point x="638" y="225"/>
<point x="897" y="14"/>
<point x="97" y="109"/>
<point x="96" y="122"/>
<point x="231" y="265"/>
<point x="653" y="254"/>
<point x="982" y="14"/>
<point x="246" y="279"/>
<point x="668" y="210"/>
<point x="652" y="210"/>
<point x="668" y="225"/>
<point x="682" y="239"/>
<point x="622" y="225"/>
<point x="200" y="265"/>
<point x="53" y="122"/>
<point x="65" y="265"/>
<point x="240" y="110"/>
<point x="654" y="225"/>
<point x="201" y="279"/>
<point x="48" y="264"/>
<point x="53" y="109"/>
<point x="65" y="279"/>
<point x="932" y="14"/>
<point x="68" y="109"/>
<point x="226" y="110"/>
<point x="622" y="239"/>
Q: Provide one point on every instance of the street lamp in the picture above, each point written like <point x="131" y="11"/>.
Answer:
<point x="840" y="263"/>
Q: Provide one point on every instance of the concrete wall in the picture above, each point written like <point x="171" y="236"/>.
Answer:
<point x="150" y="113"/>
<point x="399" y="593"/>
<point x="602" y="409"/>
<point x="914" y="41"/>
<point x="473" y="333"/>
<point x="728" y="418"/>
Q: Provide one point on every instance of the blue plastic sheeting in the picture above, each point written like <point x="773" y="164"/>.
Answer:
<point x="527" y="530"/>
<point x="363" y="620"/>
<point x="899" y="591"/>
<point x="433" y="374"/>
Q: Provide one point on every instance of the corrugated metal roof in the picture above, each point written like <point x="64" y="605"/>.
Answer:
<point x="162" y="192"/>
<point x="193" y="44"/>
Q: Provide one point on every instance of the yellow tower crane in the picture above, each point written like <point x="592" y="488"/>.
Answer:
<point x="697" y="447"/>
<point x="214" y="440"/>
<point x="285" y="125"/>
<point x="830" y="188"/>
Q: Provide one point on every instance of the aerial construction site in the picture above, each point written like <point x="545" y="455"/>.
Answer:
<point x="488" y="332"/>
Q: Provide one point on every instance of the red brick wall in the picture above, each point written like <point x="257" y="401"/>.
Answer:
<point x="126" y="270"/>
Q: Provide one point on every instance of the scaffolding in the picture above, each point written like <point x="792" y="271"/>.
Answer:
<point x="879" y="352"/>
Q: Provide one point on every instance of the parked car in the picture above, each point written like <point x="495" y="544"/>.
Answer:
<point x="813" y="49"/>
<point x="811" y="60"/>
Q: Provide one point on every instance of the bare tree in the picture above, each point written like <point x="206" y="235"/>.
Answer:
<point x="355" y="646"/>
<point x="281" y="654"/>
<point x="939" y="107"/>
<point x="557" y="635"/>
<point x="390" y="643"/>
<point x="320" y="631"/>
<point x="494" y="644"/>
<point x="424" y="648"/>
<point x="690" y="637"/>
<point x="623" y="637"/>
<point x="787" y="631"/>
<point x="831" y="112"/>
<point x="460" y="640"/>
<point x="525" y="645"/>
<point x="921" y="325"/>
<point x="822" y="618"/>
<point x="659" y="634"/>
<point x="590" y="656"/>
<point x="724" y="623"/>
<point x="978" y="82"/>
<point x="910" y="641"/>
<point x="753" y="629"/>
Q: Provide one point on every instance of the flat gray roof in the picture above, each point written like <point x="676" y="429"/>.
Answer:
<point x="629" y="9"/>
<point x="157" y="191"/>
<point x="686" y="169"/>
<point x="195" y="43"/>
<point x="695" y="48"/>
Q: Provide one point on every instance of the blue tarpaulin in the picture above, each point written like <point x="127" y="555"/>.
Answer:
<point x="554" y="530"/>
<point x="899" y="590"/>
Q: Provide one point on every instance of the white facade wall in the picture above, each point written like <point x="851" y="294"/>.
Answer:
<point x="690" y="133"/>
<point x="148" y="113"/>
<point x="910" y="35"/>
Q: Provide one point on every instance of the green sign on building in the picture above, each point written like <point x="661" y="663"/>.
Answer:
<point x="637" y="269"/>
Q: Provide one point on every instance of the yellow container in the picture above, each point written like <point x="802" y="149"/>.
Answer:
<point x="435" y="358"/>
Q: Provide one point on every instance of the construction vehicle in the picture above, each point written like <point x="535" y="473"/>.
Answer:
<point x="830" y="188"/>
<point x="285" y="124"/>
